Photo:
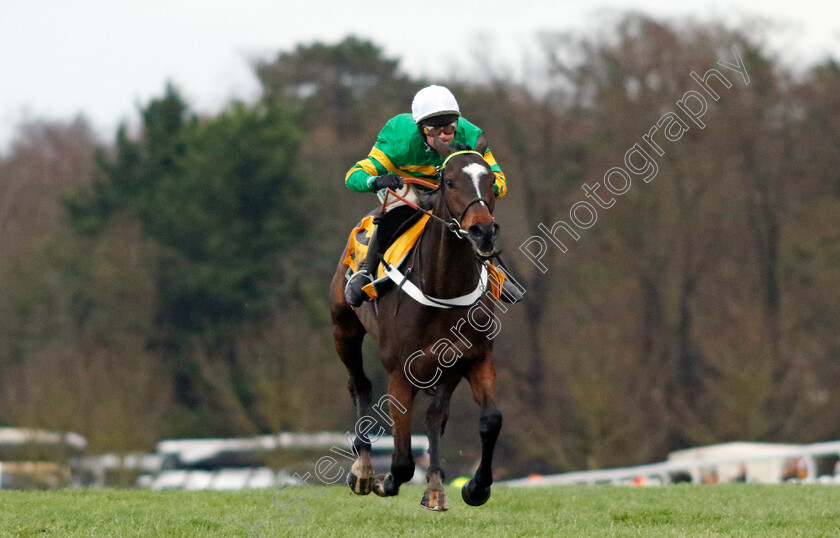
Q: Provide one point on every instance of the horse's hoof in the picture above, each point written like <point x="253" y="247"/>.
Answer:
<point x="474" y="495"/>
<point x="379" y="484"/>
<point x="434" y="500"/>
<point x="359" y="486"/>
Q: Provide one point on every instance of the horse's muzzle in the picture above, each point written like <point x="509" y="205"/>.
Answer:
<point x="483" y="237"/>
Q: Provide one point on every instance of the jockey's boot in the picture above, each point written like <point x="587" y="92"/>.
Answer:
<point x="353" y="291"/>
<point x="511" y="292"/>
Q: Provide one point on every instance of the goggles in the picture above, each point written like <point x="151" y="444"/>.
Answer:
<point x="447" y="129"/>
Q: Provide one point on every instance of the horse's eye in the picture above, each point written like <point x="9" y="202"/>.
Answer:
<point x="449" y="183"/>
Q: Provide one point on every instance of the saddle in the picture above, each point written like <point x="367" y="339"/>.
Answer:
<point x="396" y="253"/>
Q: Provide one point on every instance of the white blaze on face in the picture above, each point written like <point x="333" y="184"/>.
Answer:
<point x="475" y="171"/>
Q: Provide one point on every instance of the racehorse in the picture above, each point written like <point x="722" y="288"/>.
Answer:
<point x="446" y="263"/>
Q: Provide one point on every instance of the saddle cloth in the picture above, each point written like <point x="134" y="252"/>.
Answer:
<point x="396" y="254"/>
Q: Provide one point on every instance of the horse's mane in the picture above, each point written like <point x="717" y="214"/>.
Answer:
<point x="427" y="199"/>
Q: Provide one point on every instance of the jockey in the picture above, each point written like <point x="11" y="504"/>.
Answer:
<point x="404" y="149"/>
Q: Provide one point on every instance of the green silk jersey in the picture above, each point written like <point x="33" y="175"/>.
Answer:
<point x="400" y="149"/>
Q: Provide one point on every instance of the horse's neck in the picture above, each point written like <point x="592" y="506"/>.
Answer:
<point x="448" y="266"/>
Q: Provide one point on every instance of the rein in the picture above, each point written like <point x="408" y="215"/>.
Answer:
<point x="453" y="226"/>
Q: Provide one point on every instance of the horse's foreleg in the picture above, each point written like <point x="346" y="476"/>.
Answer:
<point x="482" y="378"/>
<point x="402" y="462"/>
<point x="434" y="498"/>
<point x="348" y="335"/>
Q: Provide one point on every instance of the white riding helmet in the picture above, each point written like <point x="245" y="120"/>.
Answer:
<point x="433" y="101"/>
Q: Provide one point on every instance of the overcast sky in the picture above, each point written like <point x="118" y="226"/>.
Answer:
<point x="102" y="58"/>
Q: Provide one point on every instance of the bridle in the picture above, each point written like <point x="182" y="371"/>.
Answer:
<point x="453" y="225"/>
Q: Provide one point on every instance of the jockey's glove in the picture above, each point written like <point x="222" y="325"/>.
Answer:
<point x="388" y="181"/>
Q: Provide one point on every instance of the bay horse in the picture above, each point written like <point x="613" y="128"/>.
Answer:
<point x="445" y="264"/>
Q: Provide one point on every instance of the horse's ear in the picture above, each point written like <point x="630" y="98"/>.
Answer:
<point x="481" y="144"/>
<point x="442" y="149"/>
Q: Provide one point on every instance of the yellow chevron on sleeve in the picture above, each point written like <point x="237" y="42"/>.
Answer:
<point x="380" y="156"/>
<point x="383" y="159"/>
<point x="350" y="172"/>
<point x="365" y="165"/>
<point x="368" y="167"/>
<point x="488" y="156"/>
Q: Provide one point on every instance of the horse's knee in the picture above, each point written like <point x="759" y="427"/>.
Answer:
<point x="490" y="421"/>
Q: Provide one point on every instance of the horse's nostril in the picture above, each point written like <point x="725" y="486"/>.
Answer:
<point x="476" y="232"/>
<point x="495" y="229"/>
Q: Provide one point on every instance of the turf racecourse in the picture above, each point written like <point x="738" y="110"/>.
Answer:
<point x="720" y="510"/>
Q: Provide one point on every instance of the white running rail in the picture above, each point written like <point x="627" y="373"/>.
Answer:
<point x="664" y="471"/>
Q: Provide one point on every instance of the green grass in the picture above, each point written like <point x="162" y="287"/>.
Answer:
<point x="722" y="510"/>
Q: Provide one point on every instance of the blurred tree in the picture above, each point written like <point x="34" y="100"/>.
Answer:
<point x="74" y="312"/>
<point x="663" y="237"/>
<point x="47" y="159"/>
<point x="219" y="198"/>
<point x="342" y="83"/>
